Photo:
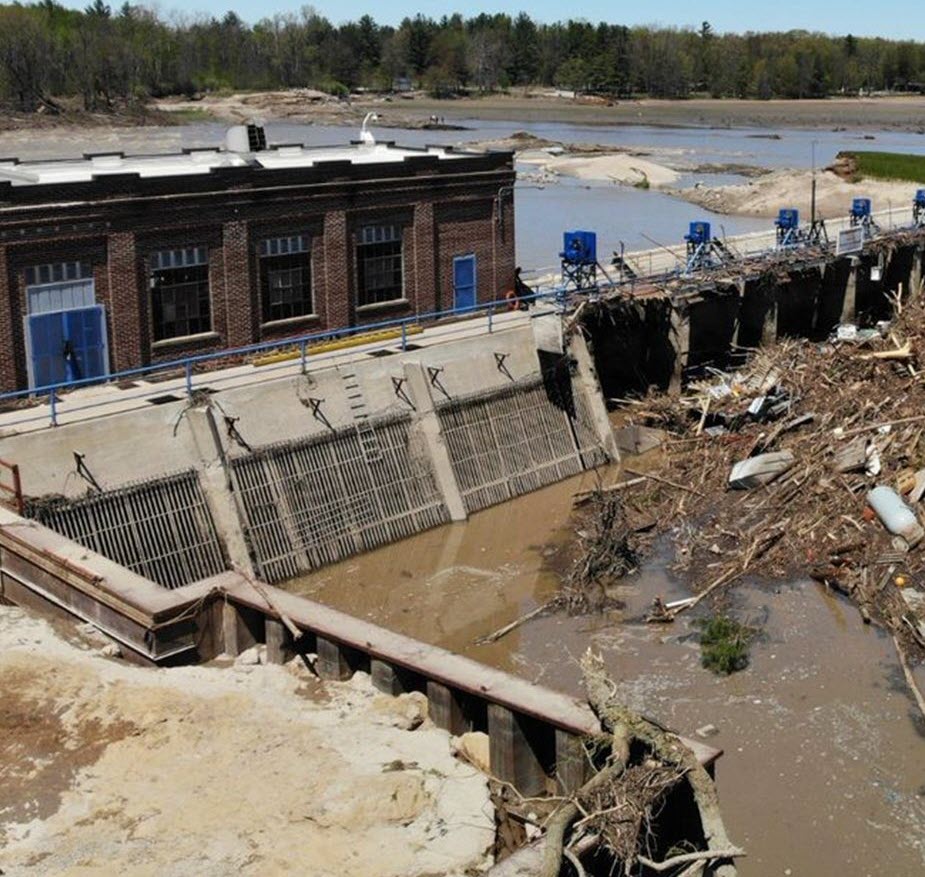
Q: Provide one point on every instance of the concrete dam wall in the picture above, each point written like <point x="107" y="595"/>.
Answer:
<point x="658" y="339"/>
<point x="283" y="477"/>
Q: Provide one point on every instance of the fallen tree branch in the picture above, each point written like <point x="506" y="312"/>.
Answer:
<point x="291" y="626"/>
<point x="576" y="863"/>
<point x="685" y="858"/>
<point x="875" y="426"/>
<point x="910" y="679"/>
<point x="661" y="480"/>
<point x="627" y="726"/>
<point x="517" y="622"/>
<point x="584" y="495"/>
<point x="904" y="352"/>
<point x="728" y="576"/>
<point x="562" y="819"/>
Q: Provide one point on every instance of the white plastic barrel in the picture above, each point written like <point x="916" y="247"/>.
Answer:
<point x="897" y="517"/>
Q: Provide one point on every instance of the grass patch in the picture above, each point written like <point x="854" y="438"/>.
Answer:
<point x="724" y="644"/>
<point x="887" y="166"/>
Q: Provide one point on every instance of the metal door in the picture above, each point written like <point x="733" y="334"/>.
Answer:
<point x="67" y="346"/>
<point x="464" y="282"/>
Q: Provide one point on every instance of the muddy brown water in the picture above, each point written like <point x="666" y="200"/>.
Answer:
<point x="824" y="767"/>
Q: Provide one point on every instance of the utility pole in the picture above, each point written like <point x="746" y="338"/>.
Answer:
<point x="812" y="215"/>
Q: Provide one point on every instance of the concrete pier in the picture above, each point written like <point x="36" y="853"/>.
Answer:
<point x="426" y="423"/>
<point x="713" y="315"/>
<point x="681" y="342"/>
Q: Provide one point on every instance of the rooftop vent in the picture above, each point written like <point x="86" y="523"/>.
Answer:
<point x="246" y="138"/>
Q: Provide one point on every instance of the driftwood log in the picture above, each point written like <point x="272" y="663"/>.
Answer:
<point x="625" y="728"/>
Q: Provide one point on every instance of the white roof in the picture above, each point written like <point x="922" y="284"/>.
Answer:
<point x="204" y="161"/>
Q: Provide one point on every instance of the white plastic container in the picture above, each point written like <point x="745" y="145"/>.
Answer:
<point x="896" y="516"/>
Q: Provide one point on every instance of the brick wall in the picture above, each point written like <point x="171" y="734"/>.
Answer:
<point x="8" y="373"/>
<point x="471" y="228"/>
<point x="440" y="220"/>
<point x="128" y="309"/>
<point x="335" y="279"/>
<point x="241" y="307"/>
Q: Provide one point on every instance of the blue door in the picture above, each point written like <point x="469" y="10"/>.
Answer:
<point x="464" y="282"/>
<point x="67" y="346"/>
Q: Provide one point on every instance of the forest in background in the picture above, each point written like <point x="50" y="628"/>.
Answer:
<point x="106" y="56"/>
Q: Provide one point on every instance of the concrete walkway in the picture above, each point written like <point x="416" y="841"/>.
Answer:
<point x="100" y="400"/>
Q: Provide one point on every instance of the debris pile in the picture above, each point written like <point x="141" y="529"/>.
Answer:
<point x="616" y="812"/>
<point x="811" y="459"/>
<point x="612" y="539"/>
<point x="611" y="542"/>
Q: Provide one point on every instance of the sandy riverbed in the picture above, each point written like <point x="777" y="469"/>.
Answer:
<point x="884" y="113"/>
<point x="616" y="167"/>
<point x="520" y="107"/>
<point x="897" y="113"/>
<point x="112" y="769"/>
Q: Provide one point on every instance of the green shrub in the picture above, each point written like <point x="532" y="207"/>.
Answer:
<point x="723" y="644"/>
<point x="333" y="88"/>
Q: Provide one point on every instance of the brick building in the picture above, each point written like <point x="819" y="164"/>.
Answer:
<point x="111" y="262"/>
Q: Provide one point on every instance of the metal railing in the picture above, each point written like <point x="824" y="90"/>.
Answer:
<point x="664" y="260"/>
<point x="649" y="264"/>
<point x="188" y="368"/>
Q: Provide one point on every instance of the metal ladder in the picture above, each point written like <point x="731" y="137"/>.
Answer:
<point x="369" y="441"/>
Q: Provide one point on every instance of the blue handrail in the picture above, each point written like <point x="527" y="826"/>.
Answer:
<point x="301" y="342"/>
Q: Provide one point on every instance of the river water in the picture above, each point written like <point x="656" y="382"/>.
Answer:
<point x="824" y="765"/>
<point x="620" y="214"/>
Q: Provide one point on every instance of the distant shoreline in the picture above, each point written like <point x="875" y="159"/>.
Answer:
<point x="906" y="114"/>
<point x="879" y="113"/>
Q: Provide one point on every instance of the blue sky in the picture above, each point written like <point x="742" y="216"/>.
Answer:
<point x="889" y="18"/>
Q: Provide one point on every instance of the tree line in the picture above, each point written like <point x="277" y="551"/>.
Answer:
<point x="105" y="55"/>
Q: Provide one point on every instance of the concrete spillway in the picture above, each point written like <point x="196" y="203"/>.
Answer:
<point x="283" y="478"/>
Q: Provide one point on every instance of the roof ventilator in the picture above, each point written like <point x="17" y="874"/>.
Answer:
<point x="246" y="139"/>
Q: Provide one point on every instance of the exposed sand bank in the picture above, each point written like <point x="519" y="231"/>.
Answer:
<point x="113" y="769"/>
<point x="897" y="113"/>
<point x="765" y="195"/>
<point x="617" y="167"/>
